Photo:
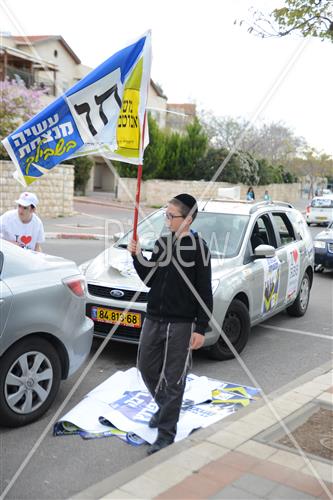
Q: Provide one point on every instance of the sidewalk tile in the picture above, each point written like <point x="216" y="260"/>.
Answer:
<point x="297" y="397"/>
<point x="195" y="486"/>
<point x="255" y="449"/>
<point x="226" y="439"/>
<point x="281" y="492"/>
<point x="238" y="460"/>
<point x="323" y="470"/>
<point x="230" y="493"/>
<point x="326" y="397"/>
<point x="197" y="456"/>
<point x="221" y="473"/>
<point x="119" y="493"/>
<point x="262" y="422"/>
<point x="211" y="450"/>
<point x="255" y="485"/>
<point x="326" y="378"/>
<point x="274" y="472"/>
<point x="243" y="429"/>
<point x="312" y="388"/>
<point x="168" y="474"/>
<point x="303" y="482"/>
<point x="287" y="459"/>
<point x="147" y="487"/>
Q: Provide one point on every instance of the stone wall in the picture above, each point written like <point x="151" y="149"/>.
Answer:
<point x="54" y="190"/>
<point x="157" y="192"/>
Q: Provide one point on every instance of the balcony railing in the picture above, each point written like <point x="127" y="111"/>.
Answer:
<point x="30" y="80"/>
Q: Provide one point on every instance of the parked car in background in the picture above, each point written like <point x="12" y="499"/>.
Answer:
<point x="320" y="210"/>
<point x="45" y="335"/>
<point x="323" y="245"/>
<point x="262" y="263"/>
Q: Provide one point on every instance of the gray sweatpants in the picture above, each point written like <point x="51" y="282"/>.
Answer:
<point x="163" y="361"/>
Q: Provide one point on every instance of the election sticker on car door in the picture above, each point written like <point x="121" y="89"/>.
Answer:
<point x="294" y="259"/>
<point x="271" y="284"/>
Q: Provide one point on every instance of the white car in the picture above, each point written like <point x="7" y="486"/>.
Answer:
<point x="262" y="263"/>
<point x="320" y="211"/>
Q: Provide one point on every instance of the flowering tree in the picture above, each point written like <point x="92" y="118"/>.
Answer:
<point x="18" y="104"/>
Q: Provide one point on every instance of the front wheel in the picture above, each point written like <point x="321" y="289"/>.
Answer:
<point x="299" y="307"/>
<point x="30" y="374"/>
<point x="236" y="326"/>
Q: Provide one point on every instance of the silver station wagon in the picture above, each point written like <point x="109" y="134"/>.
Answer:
<point x="262" y="263"/>
<point x="45" y="335"/>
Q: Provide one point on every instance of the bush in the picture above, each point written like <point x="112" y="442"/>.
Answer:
<point x="82" y="168"/>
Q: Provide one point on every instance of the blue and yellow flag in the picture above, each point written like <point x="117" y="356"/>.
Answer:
<point x="101" y="114"/>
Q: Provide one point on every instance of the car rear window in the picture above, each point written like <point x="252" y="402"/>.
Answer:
<point x="322" y="203"/>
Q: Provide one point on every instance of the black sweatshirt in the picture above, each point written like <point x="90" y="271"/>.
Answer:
<point x="170" y="298"/>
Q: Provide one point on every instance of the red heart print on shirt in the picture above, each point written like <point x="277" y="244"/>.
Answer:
<point x="26" y="239"/>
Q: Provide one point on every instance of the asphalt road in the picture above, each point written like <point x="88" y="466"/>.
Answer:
<point x="63" y="466"/>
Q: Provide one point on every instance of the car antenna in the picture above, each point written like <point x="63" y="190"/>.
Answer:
<point x="203" y="208"/>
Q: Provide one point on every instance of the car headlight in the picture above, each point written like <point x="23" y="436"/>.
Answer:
<point x="319" y="244"/>
<point x="215" y="284"/>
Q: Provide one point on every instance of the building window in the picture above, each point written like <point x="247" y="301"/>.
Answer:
<point x="55" y="53"/>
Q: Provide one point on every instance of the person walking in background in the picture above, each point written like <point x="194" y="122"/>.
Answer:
<point x="22" y="226"/>
<point x="179" y="277"/>
<point x="267" y="196"/>
<point x="250" y="196"/>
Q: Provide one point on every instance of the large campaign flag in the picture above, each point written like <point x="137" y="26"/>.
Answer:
<point x="104" y="113"/>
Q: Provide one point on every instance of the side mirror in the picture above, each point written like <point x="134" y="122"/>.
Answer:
<point x="264" y="251"/>
<point x="117" y="236"/>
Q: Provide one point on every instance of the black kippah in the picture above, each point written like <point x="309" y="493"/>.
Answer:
<point x="187" y="200"/>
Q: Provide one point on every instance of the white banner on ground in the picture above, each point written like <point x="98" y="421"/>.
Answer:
<point x="124" y="402"/>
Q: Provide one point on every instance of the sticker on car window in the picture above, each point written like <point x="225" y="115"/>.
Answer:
<point x="271" y="284"/>
<point x="294" y="260"/>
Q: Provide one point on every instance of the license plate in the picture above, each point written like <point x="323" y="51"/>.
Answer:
<point x="321" y="218"/>
<point x="114" y="316"/>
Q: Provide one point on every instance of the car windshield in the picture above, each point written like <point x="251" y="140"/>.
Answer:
<point x="322" y="203"/>
<point x="223" y="233"/>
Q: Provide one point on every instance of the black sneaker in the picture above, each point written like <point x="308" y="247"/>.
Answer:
<point x="153" y="422"/>
<point x="160" y="443"/>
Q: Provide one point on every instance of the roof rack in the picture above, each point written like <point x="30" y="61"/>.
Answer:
<point x="268" y="203"/>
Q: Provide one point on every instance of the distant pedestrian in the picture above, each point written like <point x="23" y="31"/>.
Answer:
<point x="22" y="226"/>
<point x="178" y="311"/>
<point x="250" y="196"/>
<point x="267" y="196"/>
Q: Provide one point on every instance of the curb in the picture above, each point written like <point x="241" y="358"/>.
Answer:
<point x="111" y="483"/>
<point x="74" y="236"/>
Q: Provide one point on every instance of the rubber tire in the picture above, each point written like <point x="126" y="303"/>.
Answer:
<point x="220" y="350"/>
<point x="296" y="309"/>
<point x="8" y="417"/>
<point x="309" y="223"/>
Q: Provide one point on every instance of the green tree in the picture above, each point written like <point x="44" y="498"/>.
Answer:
<point x="305" y="17"/>
<point x="82" y="169"/>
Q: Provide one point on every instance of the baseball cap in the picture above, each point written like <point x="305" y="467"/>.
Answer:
<point x="27" y="199"/>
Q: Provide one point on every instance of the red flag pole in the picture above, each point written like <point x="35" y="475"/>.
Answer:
<point x="138" y="187"/>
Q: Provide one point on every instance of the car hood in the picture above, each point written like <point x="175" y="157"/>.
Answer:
<point x="327" y="234"/>
<point x="115" y="266"/>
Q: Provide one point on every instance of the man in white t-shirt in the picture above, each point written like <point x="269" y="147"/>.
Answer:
<point x="22" y="226"/>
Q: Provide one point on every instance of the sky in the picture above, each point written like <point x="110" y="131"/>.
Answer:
<point x="200" y="55"/>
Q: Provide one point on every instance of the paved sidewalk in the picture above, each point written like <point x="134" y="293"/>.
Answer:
<point x="230" y="460"/>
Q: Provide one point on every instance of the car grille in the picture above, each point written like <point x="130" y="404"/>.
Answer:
<point x="105" y="291"/>
<point x="124" y="333"/>
<point x="330" y="247"/>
